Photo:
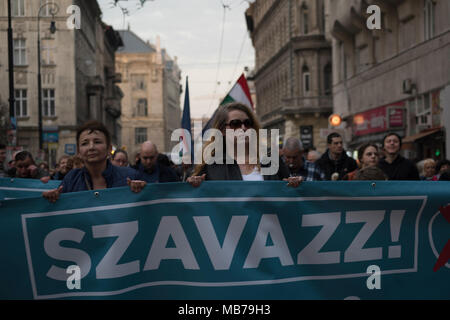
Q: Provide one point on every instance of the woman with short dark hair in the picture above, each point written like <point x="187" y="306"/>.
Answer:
<point x="94" y="147"/>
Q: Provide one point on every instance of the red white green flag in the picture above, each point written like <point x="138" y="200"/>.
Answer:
<point x="239" y="93"/>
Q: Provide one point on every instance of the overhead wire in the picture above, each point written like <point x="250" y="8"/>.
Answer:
<point x="220" y="55"/>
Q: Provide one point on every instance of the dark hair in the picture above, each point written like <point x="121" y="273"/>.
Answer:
<point x="23" y="155"/>
<point x="2" y="146"/>
<point x="363" y="148"/>
<point x="441" y="163"/>
<point x="445" y="176"/>
<point x="331" y="136"/>
<point x="392" y="134"/>
<point x="91" y="126"/>
<point x="119" y="151"/>
<point x="370" y="173"/>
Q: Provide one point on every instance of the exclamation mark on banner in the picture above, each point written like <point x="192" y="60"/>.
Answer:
<point x="396" y="223"/>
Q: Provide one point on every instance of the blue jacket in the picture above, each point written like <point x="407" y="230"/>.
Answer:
<point x="75" y="180"/>
<point x="160" y="173"/>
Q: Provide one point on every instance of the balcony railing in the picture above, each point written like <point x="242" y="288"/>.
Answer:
<point x="299" y="105"/>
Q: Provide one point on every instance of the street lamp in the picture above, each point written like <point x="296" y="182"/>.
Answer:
<point x="53" y="11"/>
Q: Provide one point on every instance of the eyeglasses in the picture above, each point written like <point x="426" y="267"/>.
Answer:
<point x="237" y="124"/>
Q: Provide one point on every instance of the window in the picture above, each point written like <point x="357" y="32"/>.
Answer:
<point x="140" y="135"/>
<point x="304" y="18"/>
<point x="328" y="81"/>
<point x="18" y="8"/>
<point x="48" y="102"/>
<point x="138" y="81"/>
<point x="429" y="14"/>
<point x="47" y="10"/>
<point x="21" y="103"/>
<point x="306" y="80"/>
<point x="142" y="108"/>
<point x="20" y="56"/>
<point x="48" y="52"/>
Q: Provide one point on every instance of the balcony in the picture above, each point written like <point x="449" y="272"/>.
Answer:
<point x="301" y="105"/>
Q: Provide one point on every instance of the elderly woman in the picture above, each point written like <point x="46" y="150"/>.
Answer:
<point x="94" y="146"/>
<point x="429" y="169"/>
<point x="368" y="156"/>
<point x="237" y="116"/>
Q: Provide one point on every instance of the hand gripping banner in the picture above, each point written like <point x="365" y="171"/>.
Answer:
<point x="230" y="240"/>
<point x="15" y="188"/>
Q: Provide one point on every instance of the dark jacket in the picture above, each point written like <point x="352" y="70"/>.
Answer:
<point x="160" y="173"/>
<point x="343" y="165"/>
<point x="400" y="169"/>
<point x="232" y="172"/>
<point x="76" y="179"/>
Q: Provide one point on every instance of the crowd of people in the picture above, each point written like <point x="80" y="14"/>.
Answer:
<point x="96" y="167"/>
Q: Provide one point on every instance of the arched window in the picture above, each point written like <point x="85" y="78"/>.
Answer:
<point x="304" y="17"/>
<point x="306" y="76"/>
<point x="429" y="14"/>
<point x="327" y="78"/>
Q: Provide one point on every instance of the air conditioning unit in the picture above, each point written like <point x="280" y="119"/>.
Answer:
<point x="408" y="86"/>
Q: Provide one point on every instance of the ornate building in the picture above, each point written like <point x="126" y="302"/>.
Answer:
<point x="293" y="70"/>
<point x="78" y="73"/>
<point x="396" y="78"/>
<point x="151" y="87"/>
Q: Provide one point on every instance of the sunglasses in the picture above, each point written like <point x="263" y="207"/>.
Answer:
<point x="237" y="124"/>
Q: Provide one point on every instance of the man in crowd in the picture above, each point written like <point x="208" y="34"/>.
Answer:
<point x="26" y="167"/>
<point x="65" y="165"/>
<point x="334" y="162"/>
<point x="394" y="165"/>
<point x="298" y="166"/>
<point x="3" y="170"/>
<point x="313" y="156"/>
<point x="151" y="170"/>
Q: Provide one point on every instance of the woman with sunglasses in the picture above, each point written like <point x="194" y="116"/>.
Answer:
<point x="237" y="116"/>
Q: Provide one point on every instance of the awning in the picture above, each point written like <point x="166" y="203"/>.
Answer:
<point x="421" y="135"/>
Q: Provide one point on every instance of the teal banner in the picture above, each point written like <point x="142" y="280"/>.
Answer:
<point x="230" y="240"/>
<point x="15" y="188"/>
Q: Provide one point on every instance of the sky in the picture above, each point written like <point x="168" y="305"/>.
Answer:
<point x="211" y="42"/>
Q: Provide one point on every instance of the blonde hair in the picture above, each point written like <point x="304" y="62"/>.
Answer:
<point x="219" y="122"/>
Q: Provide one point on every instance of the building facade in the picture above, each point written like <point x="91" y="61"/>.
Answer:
<point x="151" y="88"/>
<point x="395" y="78"/>
<point x="77" y="68"/>
<point x="293" y="70"/>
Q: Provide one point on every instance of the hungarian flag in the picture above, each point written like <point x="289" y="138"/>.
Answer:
<point x="239" y="93"/>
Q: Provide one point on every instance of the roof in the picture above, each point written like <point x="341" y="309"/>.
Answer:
<point x="133" y="44"/>
<point x="421" y="135"/>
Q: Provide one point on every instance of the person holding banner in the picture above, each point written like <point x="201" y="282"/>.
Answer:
<point x="94" y="147"/>
<point x="237" y="116"/>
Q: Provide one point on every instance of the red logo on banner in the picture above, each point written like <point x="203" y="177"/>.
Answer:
<point x="445" y="253"/>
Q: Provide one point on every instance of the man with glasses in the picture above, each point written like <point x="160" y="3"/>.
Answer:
<point x="151" y="170"/>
